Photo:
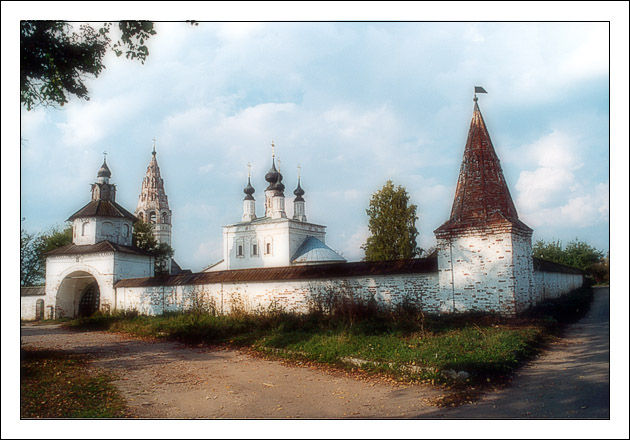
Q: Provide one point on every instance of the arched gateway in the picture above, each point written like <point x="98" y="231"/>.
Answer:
<point x="80" y="276"/>
<point x="78" y="295"/>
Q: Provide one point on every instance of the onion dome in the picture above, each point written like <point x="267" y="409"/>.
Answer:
<point x="104" y="171"/>
<point x="272" y="176"/>
<point x="279" y="187"/>
<point x="299" y="192"/>
<point x="249" y="190"/>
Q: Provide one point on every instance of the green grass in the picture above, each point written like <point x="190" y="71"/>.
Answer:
<point x="405" y="344"/>
<point x="54" y="384"/>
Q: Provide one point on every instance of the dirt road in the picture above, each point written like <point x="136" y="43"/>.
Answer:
<point x="170" y="380"/>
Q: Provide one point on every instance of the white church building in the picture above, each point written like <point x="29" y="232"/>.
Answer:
<point x="483" y="260"/>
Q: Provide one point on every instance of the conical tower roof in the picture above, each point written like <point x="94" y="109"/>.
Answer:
<point x="482" y="197"/>
<point x="152" y="194"/>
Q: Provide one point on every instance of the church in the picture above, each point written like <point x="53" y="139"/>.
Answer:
<point x="274" y="240"/>
<point x="483" y="261"/>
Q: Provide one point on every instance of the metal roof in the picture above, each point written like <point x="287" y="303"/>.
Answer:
<point x="548" y="266"/>
<point x="313" y="250"/>
<point x="100" y="247"/>
<point x="33" y="291"/>
<point x="304" y="272"/>
<point x="103" y="208"/>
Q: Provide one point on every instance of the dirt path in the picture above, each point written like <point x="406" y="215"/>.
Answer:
<point x="170" y="380"/>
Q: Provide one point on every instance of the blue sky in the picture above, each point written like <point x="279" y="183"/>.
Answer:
<point x="355" y="104"/>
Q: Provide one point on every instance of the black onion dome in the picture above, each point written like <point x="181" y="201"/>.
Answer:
<point x="299" y="192"/>
<point x="272" y="176"/>
<point x="104" y="171"/>
<point x="279" y="186"/>
<point x="249" y="190"/>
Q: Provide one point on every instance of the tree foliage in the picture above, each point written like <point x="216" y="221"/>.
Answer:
<point x="144" y="238"/>
<point x="576" y="254"/>
<point x="392" y="223"/>
<point x="33" y="248"/>
<point x="55" y="60"/>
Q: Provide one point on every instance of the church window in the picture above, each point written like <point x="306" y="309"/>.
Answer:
<point x="152" y="217"/>
<point x="239" y="252"/>
<point x="268" y="246"/>
<point x="84" y="228"/>
<point x="108" y="229"/>
<point x="255" y="249"/>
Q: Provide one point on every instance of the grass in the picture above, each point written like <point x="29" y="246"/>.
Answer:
<point x="405" y="343"/>
<point x="55" y="384"/>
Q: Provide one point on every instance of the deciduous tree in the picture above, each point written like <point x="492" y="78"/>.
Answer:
<point x="392" y="223"/>
<point x="55" y="60"/>
<point x="144" y="238"/>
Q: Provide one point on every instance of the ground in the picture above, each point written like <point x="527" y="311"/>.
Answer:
<point x="170" y="380"/>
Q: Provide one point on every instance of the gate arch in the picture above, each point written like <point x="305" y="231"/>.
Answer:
<point x="78" y="295"/>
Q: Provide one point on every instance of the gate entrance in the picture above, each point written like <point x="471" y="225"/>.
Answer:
<point x="90" y="300"/>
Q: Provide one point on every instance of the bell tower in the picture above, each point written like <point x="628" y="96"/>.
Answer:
<point x="153" y="202"/>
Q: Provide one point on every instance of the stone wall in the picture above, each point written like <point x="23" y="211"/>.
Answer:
<point x="290" y="295"/>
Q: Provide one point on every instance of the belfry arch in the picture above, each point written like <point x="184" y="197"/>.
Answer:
<point x="78" y="295"/>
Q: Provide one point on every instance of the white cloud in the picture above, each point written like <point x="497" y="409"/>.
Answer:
<point x="88" y="123"/>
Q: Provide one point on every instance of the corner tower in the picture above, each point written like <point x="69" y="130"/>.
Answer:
<point x="484" y="250"/>
<point x="153" y="202"/>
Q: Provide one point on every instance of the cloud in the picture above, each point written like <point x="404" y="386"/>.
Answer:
<point x="88" y="123"/>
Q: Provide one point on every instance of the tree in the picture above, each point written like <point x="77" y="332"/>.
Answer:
<point x="33" y="248"/>
<point x="30" y="250"/>
<point x="576" y="254"/>
<point x="55" y="60"/>
<point x="144" y="238"/>
<point x="392" y="223"/>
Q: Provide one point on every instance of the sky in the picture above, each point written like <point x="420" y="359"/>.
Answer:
<point x="355" y="105"/>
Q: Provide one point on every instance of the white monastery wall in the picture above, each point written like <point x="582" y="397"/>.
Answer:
<point x="290" y="295"/>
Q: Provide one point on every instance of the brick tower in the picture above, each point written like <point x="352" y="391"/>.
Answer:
<point x="484" y="250"/>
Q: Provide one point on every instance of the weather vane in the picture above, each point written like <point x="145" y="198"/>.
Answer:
<point x="478" y="89"/>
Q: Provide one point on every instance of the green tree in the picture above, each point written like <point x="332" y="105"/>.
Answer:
<point x="55" y="60"/>
<point x="144" y="238"/>
<point x="33" y="248"/>
<point x="392" y="223"/>
<point x="576" y="253"/>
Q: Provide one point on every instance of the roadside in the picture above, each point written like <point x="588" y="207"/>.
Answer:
<point x="570" y="379"/>
<point x="171" y="380"/>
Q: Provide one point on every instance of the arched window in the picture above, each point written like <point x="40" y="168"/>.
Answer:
<point x="240" y="248"/>
<point x="84" y="229"/>
<point x="254" y="249"/>
<point x="152" y="217"/>
<point x="165" y="217"/>
<point x="125" y="230"/>
<point x="107" y="229"/>
<point x="268" y="246"/>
